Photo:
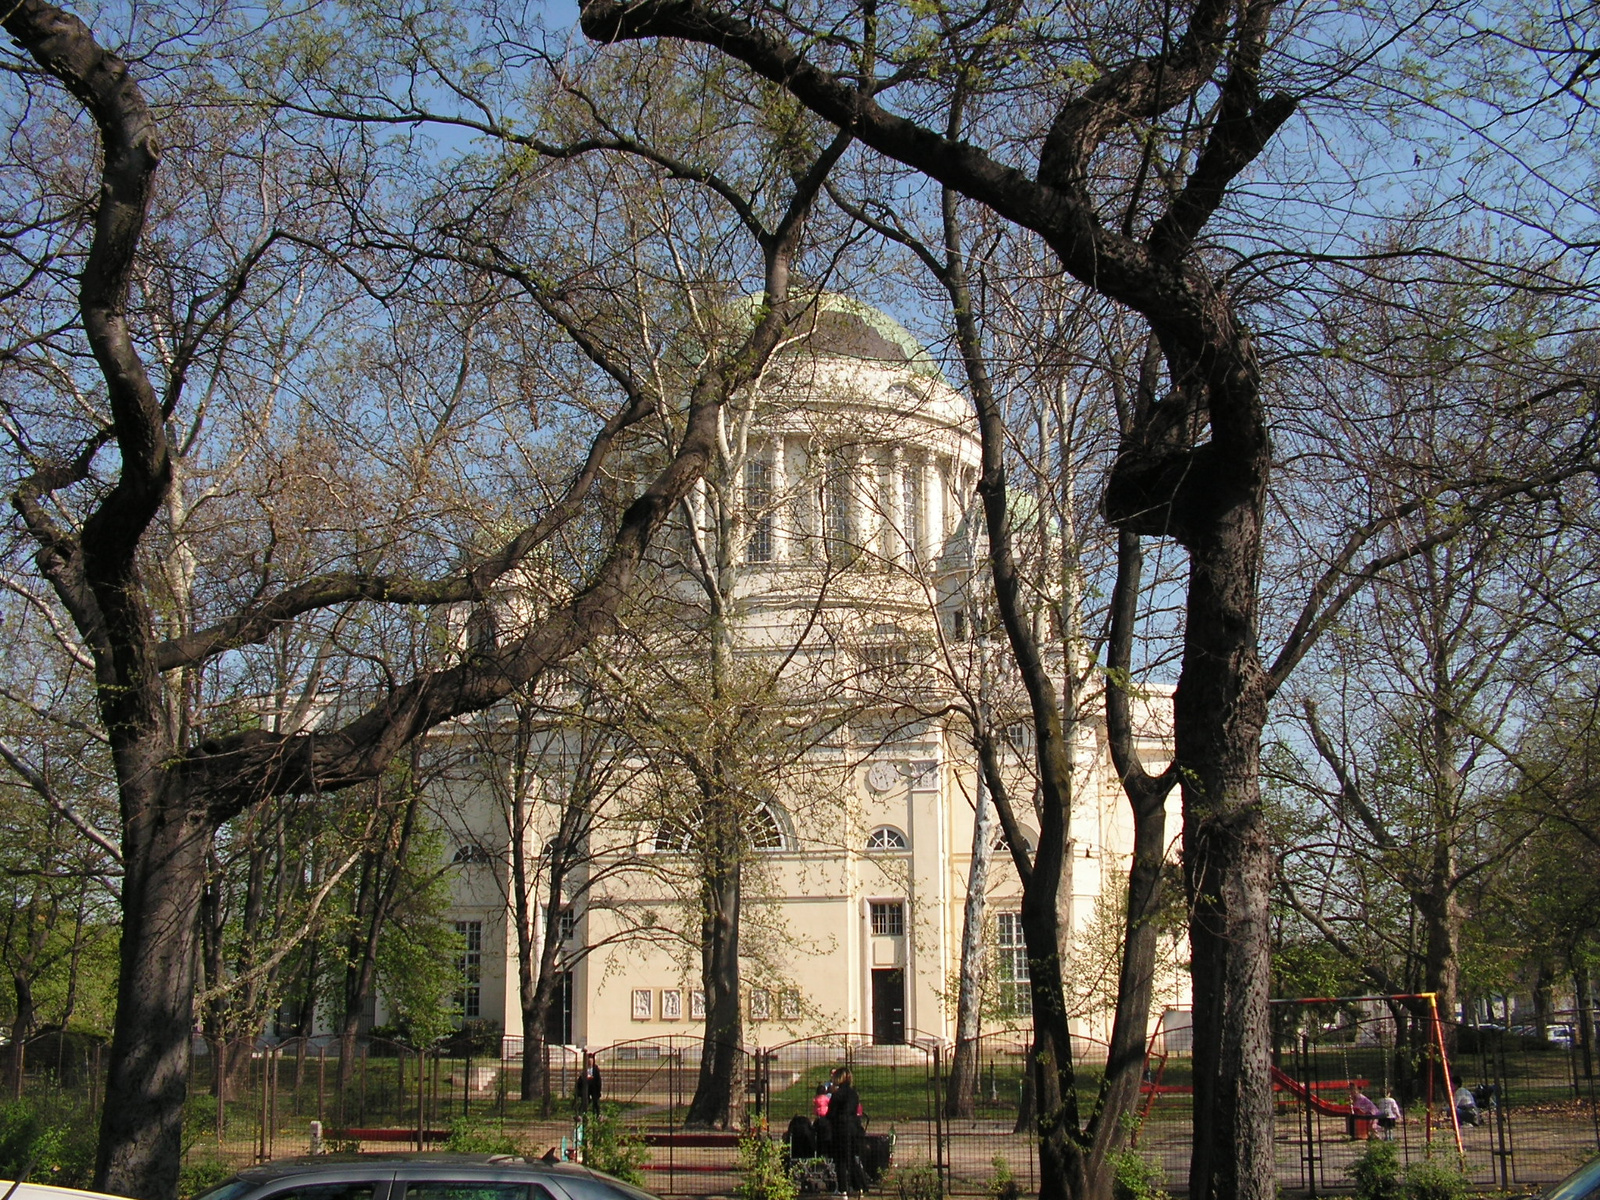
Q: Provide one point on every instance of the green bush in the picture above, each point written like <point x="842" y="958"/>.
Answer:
<point x="609" y="1147"/>
<point x="1376" y="1174"/>
<point x="1433" y="1179"/>
<point x="201" y="1171"/>
<point x="58" y="1150"/>
<point x="1134" y="1177"/>
<point x="199" y="1117"/>
<point x="918" y="1181"/>
<point x="1003" y="1183"/>
<point x="761" y="1173"/>
<point x="467" y="1137"/>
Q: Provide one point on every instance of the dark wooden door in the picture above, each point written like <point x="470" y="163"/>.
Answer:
<point x="558" y="1020"/>
<point x="889" y="1007"/>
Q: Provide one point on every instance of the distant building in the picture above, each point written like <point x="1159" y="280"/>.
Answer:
<point x="858" y="474"/>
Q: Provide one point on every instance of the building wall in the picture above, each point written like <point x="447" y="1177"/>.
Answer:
<point x="807" y="907"/>
<point x="905" y="443"/>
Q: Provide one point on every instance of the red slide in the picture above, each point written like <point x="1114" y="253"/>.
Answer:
<point x="1289" y="1084"/>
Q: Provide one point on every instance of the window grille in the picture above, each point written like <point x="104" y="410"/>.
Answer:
<point x="886" y="837"/>
<point x="763" y="831"/>
<point x="838" y="509"/>
<point x="911" y="498"/>
<point x="888" y="918"/>
<point x="1011" y="965"/>
<point x="469" y="969"/>
<point x="758" y="510"/>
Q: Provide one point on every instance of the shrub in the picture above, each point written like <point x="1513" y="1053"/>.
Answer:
<point x="1376" y="1174"/>
<point x="469" y="1138"/>
<point x="761" y="1172"/>
<point x="1433" y="1179"/>
<point x="609" y="1147"/>
<point x="1002" y="1184"/>
<point x="58" y="1150"/>
<point x="1134" y="1177"/>
<point x="201" y="1171"/>
<point x="199" y="1117"/>
<point x="918" y="1181"/>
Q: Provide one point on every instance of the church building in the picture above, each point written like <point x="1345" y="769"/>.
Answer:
<point x="830" y="569"/>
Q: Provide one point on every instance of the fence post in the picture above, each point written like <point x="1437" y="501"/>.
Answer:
<point x="272" y="1128"/>
<point x="941" y="1160"/>
<point x="1307" y="1078"/>
<point x="94" y="1080"/>
<point x="261" y="1078"/>
<point x="422" y="1076"/>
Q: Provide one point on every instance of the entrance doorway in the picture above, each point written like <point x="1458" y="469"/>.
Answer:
<point x="889" y="1006"/>
<point x="558" y="1020"/>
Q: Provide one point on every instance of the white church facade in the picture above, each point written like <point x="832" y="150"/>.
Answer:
<point x="836" y="541"/>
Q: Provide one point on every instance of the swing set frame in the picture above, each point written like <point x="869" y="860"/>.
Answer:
<point x="1154" y="1085"/>
<point x="1436" y="1031"/>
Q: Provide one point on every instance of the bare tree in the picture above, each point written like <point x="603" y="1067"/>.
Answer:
<point x="93" y="528"/>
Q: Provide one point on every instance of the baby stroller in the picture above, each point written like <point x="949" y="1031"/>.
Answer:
<point x="809" y="1147"/>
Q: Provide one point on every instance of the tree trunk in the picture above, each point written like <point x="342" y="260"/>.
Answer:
<point x="1584" y="996"/>
<point x="1127" y="1050"/>
<point x="1544" y="977"/>
<point x="360" y="955"/>
<point x="21" y="1026"/>
<point x="716" y="1093"/>
<point x="1219" y="711"/>
<point x="1441" y="915"/>
<point x="537" y="990"/>
<point x="1147" y="797"/>
<point x="962" y="1089"/>
<point x="1062" y="1163"/>
<point x="141" y="1126"/>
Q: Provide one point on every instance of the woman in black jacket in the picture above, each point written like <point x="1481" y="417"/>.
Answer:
<point x="845" y="1124"/>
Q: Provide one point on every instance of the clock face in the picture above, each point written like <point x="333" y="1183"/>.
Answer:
<point x="882" y="776"/>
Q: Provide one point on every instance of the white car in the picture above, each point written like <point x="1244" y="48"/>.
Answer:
<point x="45" y="1191"/>
<point x="426" y="1176"/>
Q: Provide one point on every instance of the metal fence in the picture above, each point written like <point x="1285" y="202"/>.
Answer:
<point x="253" y="1101"/>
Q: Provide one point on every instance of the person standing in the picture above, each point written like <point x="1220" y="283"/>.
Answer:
<point x="1388" y="1114"/>
<point x="588" y="1094"/>
<point x="844" y="1121"/>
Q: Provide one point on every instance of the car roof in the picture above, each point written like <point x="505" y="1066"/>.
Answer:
<point x="43" y="1191"/>
<point x="425" y="1161"/>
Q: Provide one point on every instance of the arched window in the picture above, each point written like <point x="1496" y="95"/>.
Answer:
<point x="1004" y="847"/>
<point x="471" y="852"/>
<point x="764" y="829"/>
<point x="887" y="837"/>
<point x="672" y="837"/>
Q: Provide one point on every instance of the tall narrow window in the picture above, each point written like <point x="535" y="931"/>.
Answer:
<point x="1011" y="965"/>
<point x="469" y="969"/>
<point x="838" y="508"/>
<point x="758" y="509"/>
<point x="912" y="502"/>
<point x="888" y="918"/>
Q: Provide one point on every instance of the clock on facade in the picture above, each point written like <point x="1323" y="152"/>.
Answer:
<point x="882" y="776"/>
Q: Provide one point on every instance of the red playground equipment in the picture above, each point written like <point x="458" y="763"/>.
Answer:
<point x="1438" y="1083"/>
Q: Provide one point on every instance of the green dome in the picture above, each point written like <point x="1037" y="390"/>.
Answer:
<point x="843" y="327"/>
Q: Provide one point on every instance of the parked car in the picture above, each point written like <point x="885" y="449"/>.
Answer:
<point x="45" y="1191"/>
<point x="1582" y="1184"/>
<point x="425" y="1176"/>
